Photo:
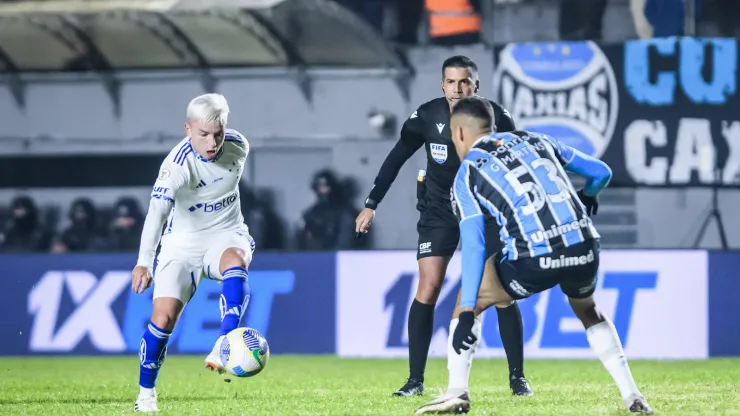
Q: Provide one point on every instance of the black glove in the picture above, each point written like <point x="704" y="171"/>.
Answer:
<point x="591" y="202"/>
<point x="464" y="332"/>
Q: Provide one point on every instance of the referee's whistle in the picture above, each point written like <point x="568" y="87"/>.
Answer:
<point x="422" y="174"/>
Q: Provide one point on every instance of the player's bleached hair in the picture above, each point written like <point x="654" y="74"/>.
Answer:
<point x="209" y="108"/>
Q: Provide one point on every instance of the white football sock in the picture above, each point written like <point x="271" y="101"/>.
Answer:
<point x="604" y="340"/>
<point x="459" y="365"/>
<point x="145" y="392"/>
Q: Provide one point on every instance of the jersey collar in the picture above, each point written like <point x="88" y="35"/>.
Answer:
<point x="480" y="139"/>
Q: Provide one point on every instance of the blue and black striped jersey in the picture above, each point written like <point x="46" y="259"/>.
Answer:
<point x="519" y="180"/>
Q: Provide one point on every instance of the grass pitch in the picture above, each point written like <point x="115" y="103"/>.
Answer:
<point x="311" y="385"/>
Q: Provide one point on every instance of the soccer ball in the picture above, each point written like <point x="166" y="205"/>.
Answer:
<point x="244" y="352"/>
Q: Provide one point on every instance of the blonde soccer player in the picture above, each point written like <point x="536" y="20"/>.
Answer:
<point x="196" y="197"/>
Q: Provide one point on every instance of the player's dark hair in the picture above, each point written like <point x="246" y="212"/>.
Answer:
<point x="476" y="107"/>
<point x="460" y="61"/>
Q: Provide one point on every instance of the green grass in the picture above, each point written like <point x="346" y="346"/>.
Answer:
<point x="312" y="385"/>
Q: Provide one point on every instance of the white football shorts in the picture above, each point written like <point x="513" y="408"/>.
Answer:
<point x="183" y="261"/>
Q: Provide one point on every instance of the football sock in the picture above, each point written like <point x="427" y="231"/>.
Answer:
<point x="152" y="351"/>
<point x="512" y="336"/>
<point x="420" y="327"/>
<point x="604" y="340"/>
<point x="234" y="298"/>
<point x="459" y="365"/>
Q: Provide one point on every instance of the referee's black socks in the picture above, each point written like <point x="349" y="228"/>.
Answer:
<point x="420" y="326"/>
<point x="512" y="332"/>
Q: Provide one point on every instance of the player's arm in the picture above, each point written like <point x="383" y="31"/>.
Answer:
<point x="171" y="178"/>
<point x="472" y="233"/>
<point x="412" y="138"/>
<point x="597" y="173"/>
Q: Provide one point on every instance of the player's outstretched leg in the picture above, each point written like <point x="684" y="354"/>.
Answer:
<point x="456" y="398"/>
<point x="153" y="349"/>
<point x="235" y="294"/>
<point x="604" y="340"/>
<point x="512" y="337"/>
<point x="421" y="321"/>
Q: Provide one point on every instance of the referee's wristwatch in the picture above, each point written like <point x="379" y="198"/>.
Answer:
<point x="370" y="203"/>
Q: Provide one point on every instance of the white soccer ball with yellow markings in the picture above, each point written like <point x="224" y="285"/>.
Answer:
<point x="244" y="352"/>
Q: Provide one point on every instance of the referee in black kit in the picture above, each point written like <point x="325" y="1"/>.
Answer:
<point x="439" y="235"/>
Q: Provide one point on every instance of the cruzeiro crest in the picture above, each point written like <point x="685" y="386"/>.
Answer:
<point x="564" y="89"/>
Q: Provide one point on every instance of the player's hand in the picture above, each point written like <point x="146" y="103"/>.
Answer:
<point x="141" y="279"/>
<point x="463" y="337"/>
<point x="364" y="220"/>
<point x="591" y="202"/>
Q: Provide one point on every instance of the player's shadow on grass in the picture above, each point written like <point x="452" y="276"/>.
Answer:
<point x="103" y="400"/>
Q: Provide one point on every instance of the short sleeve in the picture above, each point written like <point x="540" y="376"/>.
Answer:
<point x="170" y="179"/>
<point x="240" y="143"/>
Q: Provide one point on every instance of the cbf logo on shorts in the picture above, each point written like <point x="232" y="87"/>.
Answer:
<point x="566" y="90"/>
<point x="439" y="152"/>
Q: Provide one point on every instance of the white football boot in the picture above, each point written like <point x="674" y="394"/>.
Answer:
<point x="146" y="402"/>
<point x="456" y="401"/>
<point x="213" y="361"/>
<point x="638" y="404"/>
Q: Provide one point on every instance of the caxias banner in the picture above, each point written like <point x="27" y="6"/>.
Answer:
<point x="660" y="112"/>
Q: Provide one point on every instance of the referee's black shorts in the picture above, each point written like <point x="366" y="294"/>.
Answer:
<point x="439" y="232"/>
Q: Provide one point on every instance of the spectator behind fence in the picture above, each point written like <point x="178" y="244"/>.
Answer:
<point x="23" y="233"/>
<point x="408" y="17"/>
<point x="405" y="16"/>
<point x="581" y="19"/>
<point x="661" y="18"/>
<point x="329" y="223"/>
<point x="83" y="235"/>
<point x="126" y="226"/>
<point x="727" y="14"/>
<point x="264" y="223"/>
<point x="454" y="22"/>
<point x="274" y="234"/>
<point x="372" y="11"/>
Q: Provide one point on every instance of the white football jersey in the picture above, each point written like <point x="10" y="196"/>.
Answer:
<point x="205" y="193"/>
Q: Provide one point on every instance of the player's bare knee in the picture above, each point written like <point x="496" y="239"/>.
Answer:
<point x="428" y="290"/>
<point x="504" y="305"/>
<point x="164" y="319"/>
<point x="430" y="284"/>
<point x="586" y="311"/>
<point x="485" y="301"/>
<point x="481" y="306"/>
<point x="165" y="312"/>
<point x="431" y="276"/>
<point x="232" y="257"/>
